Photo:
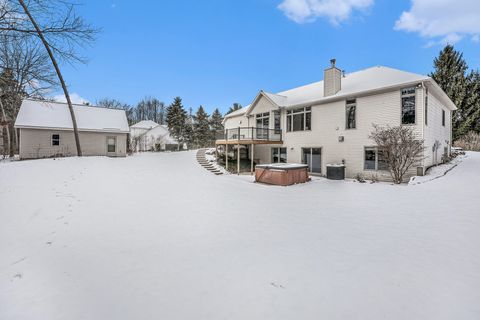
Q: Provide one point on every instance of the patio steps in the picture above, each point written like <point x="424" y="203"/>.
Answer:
<point x="202" y="160"/>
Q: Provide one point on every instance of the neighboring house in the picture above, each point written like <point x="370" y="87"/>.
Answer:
<point x="148" y="135"/>
<point x="46" y="130"/>
<point x="330" y="121"/>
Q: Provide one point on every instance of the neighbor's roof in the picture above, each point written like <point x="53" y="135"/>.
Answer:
<point x="355" y="83"/>
<point x="55" y="115"/>
<point x="161" y="132"/>
<point x="145" y="124"/>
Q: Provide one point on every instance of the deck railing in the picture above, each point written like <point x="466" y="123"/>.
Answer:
<point x="249" y="134"/>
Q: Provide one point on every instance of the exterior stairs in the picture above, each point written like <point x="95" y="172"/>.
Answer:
<point x="202" y="160"/>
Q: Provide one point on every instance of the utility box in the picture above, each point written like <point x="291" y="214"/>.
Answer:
<point x="335" y="171"/>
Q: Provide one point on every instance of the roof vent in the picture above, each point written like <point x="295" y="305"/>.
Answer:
<point x="332" y="79"/>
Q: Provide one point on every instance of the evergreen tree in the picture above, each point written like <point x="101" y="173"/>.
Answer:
<point x="471" y="111"/>
<point x="234" y="107"/>
<point x="189" y="136"/>
<point x="216" y="120"/>
<point x="202" y="128"/>
<point x="176" y="120"/>
<point x="450" y="74"/>
<point x="216" y="124"/>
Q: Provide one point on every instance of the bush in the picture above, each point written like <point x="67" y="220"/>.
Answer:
<point x="360" y="178"/>
<point x="400" y="149"/>
<point x="469" y="141"/>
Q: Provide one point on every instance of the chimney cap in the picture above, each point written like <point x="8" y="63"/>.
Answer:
<point x="332" y="62"/>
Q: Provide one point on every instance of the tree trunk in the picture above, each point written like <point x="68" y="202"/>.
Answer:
<point x="7" y="127"/>
<point x="59" y="74"/>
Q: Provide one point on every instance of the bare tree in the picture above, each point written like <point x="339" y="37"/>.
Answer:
<point x="115" y="104"/>
<point x="25" y="71"/>
<point x="400" y="149"/>
<point x="4" y="124"/>
<point x="57" y="27"/>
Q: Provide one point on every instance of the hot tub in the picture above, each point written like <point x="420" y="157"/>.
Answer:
<point x="281" y="174"/>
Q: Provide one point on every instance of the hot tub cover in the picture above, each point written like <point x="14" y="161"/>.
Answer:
<point x="282" y="166"/>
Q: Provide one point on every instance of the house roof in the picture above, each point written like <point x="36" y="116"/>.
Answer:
<point x="56" y="115"/>
<point x="145" y="124"/>
<point x="236" y="113"/>
<point x="355" y="83"/>
<point x="161" y="132"/>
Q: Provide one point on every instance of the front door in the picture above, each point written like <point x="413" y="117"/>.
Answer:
<point x="313" y="158"/>
<point x="111" y="146"/>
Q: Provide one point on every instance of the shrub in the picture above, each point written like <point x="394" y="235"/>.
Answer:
<point x="360" y="178"/>
<point x="469" y="141"/>
<point x="400" y="148"/>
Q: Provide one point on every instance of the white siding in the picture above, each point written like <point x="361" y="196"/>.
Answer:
<point x="235" y="122"/>
<point x="434" y="131"/>
<point x="37" y="143"/>
<point x="328" y="124"/>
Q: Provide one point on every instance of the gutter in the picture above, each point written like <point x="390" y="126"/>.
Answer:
<point x="70" y="129"/>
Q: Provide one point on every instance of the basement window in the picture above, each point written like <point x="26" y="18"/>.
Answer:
<point x="375" y="159"/>
<point x="408" y="105"/>
<point x="55" y="139"/>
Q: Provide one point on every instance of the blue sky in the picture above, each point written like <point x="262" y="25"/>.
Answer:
<point x="217" y="52"/>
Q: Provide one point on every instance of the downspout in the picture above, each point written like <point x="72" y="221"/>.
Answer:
<point x="423" y="124"/>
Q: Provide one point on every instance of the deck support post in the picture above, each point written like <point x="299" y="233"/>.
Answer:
<point x="226" y="157"/>
<point x="251" y="156"/>
<point x="238" y="158"/>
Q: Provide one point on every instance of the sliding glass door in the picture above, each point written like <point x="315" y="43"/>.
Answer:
<point x="313" y="158"/>
<point x="279" y="155"/>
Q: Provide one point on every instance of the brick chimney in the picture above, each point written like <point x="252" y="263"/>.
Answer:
<point x="332" y="80"/>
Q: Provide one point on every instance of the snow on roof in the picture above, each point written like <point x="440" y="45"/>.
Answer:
<point x="161" y="132"/>
<point x="238" y="112"/>
<point x="374" y="78"/>
<point x="55" y="115"/>
<point x="279" y="100"/>
<point x="354" y="83"/>
<point x="145" y="124"/>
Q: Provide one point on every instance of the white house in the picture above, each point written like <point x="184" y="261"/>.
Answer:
<point x="46" y="130"/>
<point x="330" y="121"/>
<point x="148" y="135"/>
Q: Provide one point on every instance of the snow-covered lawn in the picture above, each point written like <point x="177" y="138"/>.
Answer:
<point x="156" y="236"/>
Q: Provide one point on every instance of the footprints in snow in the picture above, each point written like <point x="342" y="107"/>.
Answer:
<point x="278" y="286"/>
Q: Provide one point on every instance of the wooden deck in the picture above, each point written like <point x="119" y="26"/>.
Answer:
<point x="234" y="142"/>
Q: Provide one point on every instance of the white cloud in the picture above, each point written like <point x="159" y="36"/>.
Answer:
<point x="442" y="21"/>
<point x="74" y="97"/>
<point x="336" y="11"/>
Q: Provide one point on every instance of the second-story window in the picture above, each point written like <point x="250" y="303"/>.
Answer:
<point x="263" y="123"/>
<point x="276" y="121"/>
<point x="351" y="110"/>
<point x="299" y="119"/>
<point x="443" y="117"/>
<point x="408" y="105"/>
<point x="263" y="120"/>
